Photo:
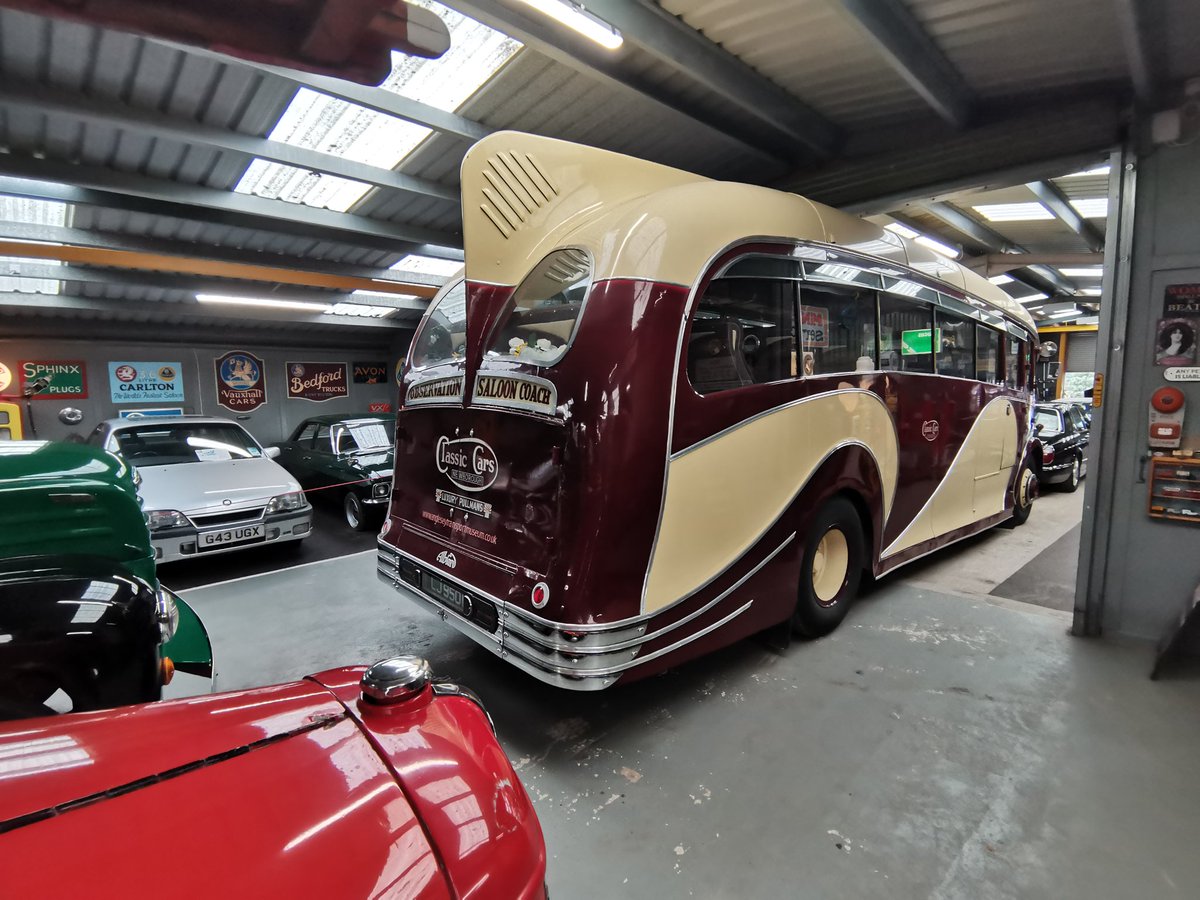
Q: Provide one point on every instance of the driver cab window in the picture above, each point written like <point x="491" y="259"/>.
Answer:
<point x="322" y="443"/>
<point x="443" y="336"/>
<point x="306" y="434"/>
<point x="743" y="332"/>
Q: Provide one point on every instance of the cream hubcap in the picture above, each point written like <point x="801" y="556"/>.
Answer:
<point x="830" y="565"/>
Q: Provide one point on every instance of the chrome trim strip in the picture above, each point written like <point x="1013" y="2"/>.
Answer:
<point x="623" y="667"/>
<point x="923" y="554"/>
<point x="576" y="649"/>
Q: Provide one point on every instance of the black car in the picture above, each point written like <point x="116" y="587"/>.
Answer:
<point x="1062" y="430"/>
<point x="346" y="459"/>
<point x="79" y="633"/>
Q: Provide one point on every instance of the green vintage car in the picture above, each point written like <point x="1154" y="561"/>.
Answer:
<point x="82" y="613"/>
<point x="346" y="459"/>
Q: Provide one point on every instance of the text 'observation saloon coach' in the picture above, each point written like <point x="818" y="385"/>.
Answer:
<point x="661" y="413"/>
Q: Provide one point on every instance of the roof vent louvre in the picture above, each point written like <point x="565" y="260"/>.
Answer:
<point x="519" y="187"/>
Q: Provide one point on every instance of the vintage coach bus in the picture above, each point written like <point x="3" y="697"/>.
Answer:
<point x="662" y="413"/>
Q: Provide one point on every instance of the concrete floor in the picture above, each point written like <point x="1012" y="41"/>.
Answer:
<point x="941" y="744"/>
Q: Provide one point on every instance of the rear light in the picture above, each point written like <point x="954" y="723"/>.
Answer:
<point x="1047" y="453"/>
<point x="540" y="595"/>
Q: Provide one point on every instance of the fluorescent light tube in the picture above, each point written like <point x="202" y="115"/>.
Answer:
<point x="1013" y="212"/>
<point x="937" y="246"/>
<point x="1000" y="279"/>
<point x="298" y="305"/>
<point x="578" y="19"/>
<point x="903" y="230"/>
<point x="1094" y="272"/>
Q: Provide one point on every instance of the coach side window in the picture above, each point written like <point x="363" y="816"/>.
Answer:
<point x="743" y="332"/>
<point x="837" y="329"/>
<point x="1013" y="356"/>
<point x="955" y="340"/>
<point x="987" y="358"/>
<point x="905" y="335"/>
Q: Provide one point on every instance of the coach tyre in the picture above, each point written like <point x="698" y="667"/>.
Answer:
<point x="1023" y="493"/>
<point x="830" y="569"/>
<point x="356" y="516"/>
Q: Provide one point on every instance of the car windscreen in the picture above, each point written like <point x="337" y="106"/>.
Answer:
<point x="166" y="445"/>
<point x="365" y="436"/>
<point x="1048" y="419"/>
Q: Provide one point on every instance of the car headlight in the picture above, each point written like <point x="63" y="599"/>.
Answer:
<point x="285" y="502"/>
<point x="167" y="615"/>
<point x="380" y="489"/>
<point x="158" y="519"/>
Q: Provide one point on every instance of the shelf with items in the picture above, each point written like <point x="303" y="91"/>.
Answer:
<point x="1169" y="498"/>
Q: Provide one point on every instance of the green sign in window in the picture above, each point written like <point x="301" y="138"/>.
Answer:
<point x="918" y="341"/>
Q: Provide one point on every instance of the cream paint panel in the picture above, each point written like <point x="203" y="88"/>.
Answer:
<point x="975" y="484"/>
<point x="723" y="496"/>
<point x="627" y="212"/>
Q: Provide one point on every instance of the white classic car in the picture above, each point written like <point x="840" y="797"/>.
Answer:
<point x="207" y="485"/>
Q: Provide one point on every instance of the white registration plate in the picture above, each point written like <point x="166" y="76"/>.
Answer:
<point x="227" y="537"/>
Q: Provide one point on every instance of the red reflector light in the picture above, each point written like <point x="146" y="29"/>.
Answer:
<point x="1047" y="454"/>
<point x="540" y="595"/>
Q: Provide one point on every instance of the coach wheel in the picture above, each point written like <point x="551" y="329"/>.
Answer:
<point x="1024" y="492"/>
<point x="830" y="569"/>
<point x="1072" y="483"/>
<point x="356" y="514"/>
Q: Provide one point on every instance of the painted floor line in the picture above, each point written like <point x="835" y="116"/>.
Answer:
<point x="315" y="562"/>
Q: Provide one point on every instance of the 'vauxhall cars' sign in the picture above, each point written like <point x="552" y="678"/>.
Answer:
<point x="468" y="462"/>
<point x="137" y="382"/>
<point x="67" y="378"/>
<point x="316" y="381"/>
<point x="241" y="381"/>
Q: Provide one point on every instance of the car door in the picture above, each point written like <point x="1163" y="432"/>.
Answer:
<point x="295" y="455"/>
<point x="322" y="461"/>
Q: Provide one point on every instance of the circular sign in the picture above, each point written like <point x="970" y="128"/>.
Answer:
<point x="166" y="373"/>
<point x="930" y="429"/>
<point x="1167" y="400"/>
<point x="239" y="372"/>
<point x="125" y="373"/>
<point x="5" y="377"/>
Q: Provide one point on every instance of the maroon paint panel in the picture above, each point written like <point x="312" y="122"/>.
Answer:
<point x="575" y="502"/>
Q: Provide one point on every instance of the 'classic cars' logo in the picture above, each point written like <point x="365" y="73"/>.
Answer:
<point x="930" y="429"/>
<point x="468" y="462"/>
<point x="447" y="559"/>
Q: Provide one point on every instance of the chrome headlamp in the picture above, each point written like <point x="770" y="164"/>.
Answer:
<point x="286" y="502"/>
<point x="158" y="519"/>
<point x="167" y="613"/>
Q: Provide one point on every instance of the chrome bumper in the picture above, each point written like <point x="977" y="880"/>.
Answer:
<point x="576" y="657"/>
<point x="180" y="543"/>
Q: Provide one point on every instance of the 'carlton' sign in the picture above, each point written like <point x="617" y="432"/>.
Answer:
<point x="241" y="381"/>
<point x="316" y="381"/>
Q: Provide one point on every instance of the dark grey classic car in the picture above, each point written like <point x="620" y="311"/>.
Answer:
<point x="1063" y="432"/>
<point x="347" y="459"/>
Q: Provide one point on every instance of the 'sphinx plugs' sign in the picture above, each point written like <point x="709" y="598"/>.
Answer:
<point x="241" y="381"/>
<point x="468" y="462"/>
<point x="316" y="381"/>
<point x="370" y="372"/>
<point x="67" y="378"/>
<point x="519" y="391"/>
<point x="434" y="390"/>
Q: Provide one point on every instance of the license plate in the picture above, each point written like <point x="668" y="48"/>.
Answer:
<point x="452" y="597"/>
<point x="226" y="537"/>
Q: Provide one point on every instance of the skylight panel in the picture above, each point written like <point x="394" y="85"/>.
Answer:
<point x="1000" y="279"/>
<point x="1090" y="272"/>
<point x="13" y="281"/>
<point x="359" y="310"/>
<point x="1032" y="298"/>
<point x="320" y="122"/>
<point x="1091" y="207"/>
<point x="428" y="265"/>
<point x="937" y="246"/>
<point x="1099" y="170"/>
<point x="903" y="230"/>
<point x="33" y="212"/>
<point x="1013" y="212"/>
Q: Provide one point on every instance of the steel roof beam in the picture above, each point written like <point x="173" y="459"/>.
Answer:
<point x="910" y="50"/>
<point x="1058" y="203"/>
<point x="50" y="180"/>
<point x="115" y="240"/>
<point x="787" y="130"/>
<point x="1143" y="32"/>
<point x="191" y="284"/>
<point x="52" y="101"/>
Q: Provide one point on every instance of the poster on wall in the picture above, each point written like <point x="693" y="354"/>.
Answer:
<point x="400" y="373"/>
<point x="1176" y="342"/>
<point x="5" y="377"/>
<point x="316" y="381"/>
<point x="138" y="382"/>
<point x="241" y="381"/>
<point x="379" y="407"/>
<point x="1181" y="300"/>
<point x="66" y="378"/>
<point x="814" y="326"/>
<point x="155" y="413"/>
<point x="370" y="372"/>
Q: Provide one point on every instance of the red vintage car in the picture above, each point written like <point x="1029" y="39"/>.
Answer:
<point x="353" y="782"/>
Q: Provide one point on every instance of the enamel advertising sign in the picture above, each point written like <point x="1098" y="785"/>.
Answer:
<point x="67" y="378"/>
<point x="316" y="381"/>
<point x="241" y="381"/>
<point x="370" y="372"/>
<point x="139" y="382"/>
